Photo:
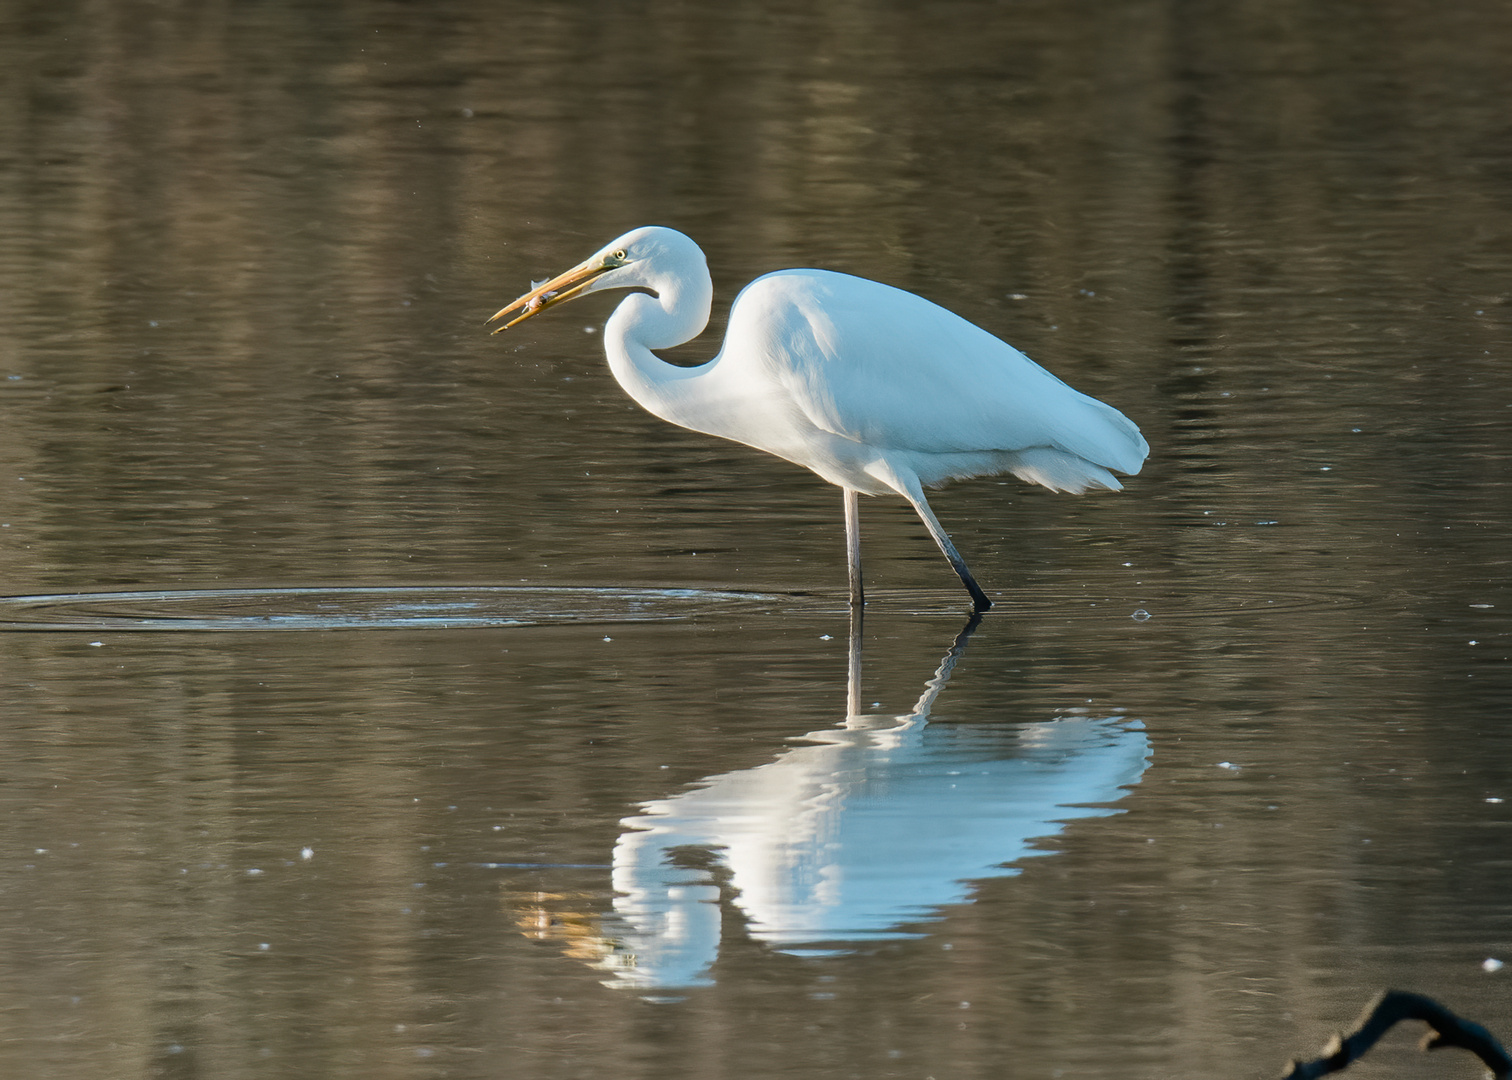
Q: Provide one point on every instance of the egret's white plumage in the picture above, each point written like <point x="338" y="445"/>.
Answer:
<point x="875" y="389"/>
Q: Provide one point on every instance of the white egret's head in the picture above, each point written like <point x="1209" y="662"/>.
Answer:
<point x="642" y="258"/>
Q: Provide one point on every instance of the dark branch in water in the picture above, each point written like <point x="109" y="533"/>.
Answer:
<point x="1392" y="1006"/>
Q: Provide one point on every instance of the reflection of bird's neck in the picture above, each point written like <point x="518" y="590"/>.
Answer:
<point x="677" y="313"/>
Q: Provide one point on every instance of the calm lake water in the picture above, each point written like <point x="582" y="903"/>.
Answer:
<point x="386" y="699"/>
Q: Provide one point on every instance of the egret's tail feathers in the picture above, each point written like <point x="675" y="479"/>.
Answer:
<point x="1103" y="435"/>
<point x="1062" y="471"/>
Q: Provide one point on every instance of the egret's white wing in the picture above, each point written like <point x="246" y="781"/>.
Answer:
<point x="890" y="369"/>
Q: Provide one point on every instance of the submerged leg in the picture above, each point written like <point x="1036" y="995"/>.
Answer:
<point x="915" y="495"/>
<point x="853" y="546"/>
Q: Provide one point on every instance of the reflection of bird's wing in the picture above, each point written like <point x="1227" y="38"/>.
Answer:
<point x="902" y="830"/>
<point x="891" y="370"/>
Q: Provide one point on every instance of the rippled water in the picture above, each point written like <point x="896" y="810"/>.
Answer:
<point x="615" y="792"/>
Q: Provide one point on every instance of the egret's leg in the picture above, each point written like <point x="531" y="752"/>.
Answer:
<point x="853" y="546"/>
<point x="853" y="666"/>
<point x="915" y="495"/>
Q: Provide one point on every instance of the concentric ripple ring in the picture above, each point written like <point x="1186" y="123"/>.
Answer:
<point x="365" y="608"/>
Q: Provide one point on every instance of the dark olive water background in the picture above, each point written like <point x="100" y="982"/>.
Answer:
<point x="245" y="255"/>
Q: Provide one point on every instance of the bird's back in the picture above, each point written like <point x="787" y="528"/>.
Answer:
<point x="893" y="371"/>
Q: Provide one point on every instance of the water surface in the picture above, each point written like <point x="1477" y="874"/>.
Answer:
<point x="245" y="255"/>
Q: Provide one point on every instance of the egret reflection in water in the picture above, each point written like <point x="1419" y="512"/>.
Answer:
<point x="871" y="827"/>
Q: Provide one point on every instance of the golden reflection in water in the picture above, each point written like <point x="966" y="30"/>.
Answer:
<point x="561" y="919"/>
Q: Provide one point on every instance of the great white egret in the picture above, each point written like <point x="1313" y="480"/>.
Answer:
<point x="875" y="389"/>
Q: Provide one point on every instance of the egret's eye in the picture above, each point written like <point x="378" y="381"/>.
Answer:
<point x="620" y="254"/>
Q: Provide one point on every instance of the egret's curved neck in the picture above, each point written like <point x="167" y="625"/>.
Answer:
<point x="677" y="313"/>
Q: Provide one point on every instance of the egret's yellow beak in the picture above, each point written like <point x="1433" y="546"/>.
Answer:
<point x="556" y="291"/>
